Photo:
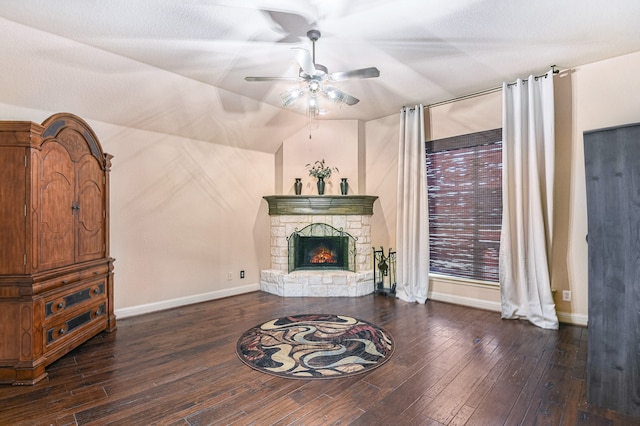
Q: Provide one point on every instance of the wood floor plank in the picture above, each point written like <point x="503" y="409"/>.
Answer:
<point x="452" y="365"/>
<point x="526" y="395"/>
<point x="446" y="404"/>
<point x="462" y="416"/>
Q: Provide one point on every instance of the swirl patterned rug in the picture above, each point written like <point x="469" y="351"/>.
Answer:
<point x="315" y="346"/>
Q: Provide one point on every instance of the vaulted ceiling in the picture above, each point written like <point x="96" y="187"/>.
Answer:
<point x="178" y="67"/>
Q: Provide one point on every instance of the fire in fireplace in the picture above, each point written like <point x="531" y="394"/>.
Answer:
<point x="321" y="246"/>
<point x="320" y="252"/>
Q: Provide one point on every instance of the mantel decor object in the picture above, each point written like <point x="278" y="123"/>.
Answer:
<point x="344" y="186"/>
<point x="320" y="171"/>
<point x="320" y="185"/>
<point x="297" y="186"/>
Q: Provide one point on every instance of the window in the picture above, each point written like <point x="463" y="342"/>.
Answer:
<point x="464" y="177"/>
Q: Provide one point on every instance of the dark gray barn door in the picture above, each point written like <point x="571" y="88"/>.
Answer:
<point x="612" y="163"/>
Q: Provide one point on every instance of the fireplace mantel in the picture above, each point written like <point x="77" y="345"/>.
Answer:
<point x="320" y="204"/>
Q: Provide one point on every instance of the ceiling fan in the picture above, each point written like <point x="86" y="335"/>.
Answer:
<point x="317" y="80"/>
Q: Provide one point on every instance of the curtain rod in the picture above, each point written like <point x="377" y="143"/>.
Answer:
<point x="487" y="91"/>
<point x="471" y="95"/>
<point x="536" y="77"/>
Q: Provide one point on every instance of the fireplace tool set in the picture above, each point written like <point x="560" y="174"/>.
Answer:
<point x="384" y="272"/>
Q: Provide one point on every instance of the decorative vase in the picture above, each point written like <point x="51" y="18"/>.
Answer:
<point x="297" y="186"/>
<point x="320" y="186"/>
<point x="344" y="186"/>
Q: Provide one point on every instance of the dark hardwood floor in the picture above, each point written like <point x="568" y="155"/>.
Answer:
<point x="452" y="365"/>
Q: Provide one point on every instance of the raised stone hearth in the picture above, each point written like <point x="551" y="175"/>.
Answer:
<point x="316" y="283"/>
<point x="350" y="213"/>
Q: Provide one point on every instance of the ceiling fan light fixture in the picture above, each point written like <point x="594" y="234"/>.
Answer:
<point x="290" y="97"/>
<point x="314" y="85"/>
<point x="317" y="78"/>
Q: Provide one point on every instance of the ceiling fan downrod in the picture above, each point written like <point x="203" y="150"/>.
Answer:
<point x="314" y="35"/>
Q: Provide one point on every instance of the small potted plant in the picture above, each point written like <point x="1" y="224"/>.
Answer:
<point x="320" y="171"/>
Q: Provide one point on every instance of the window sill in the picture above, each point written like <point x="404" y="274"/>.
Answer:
<point x="463" y="281"/>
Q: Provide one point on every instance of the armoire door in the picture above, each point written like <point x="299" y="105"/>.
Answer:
<point x="90" y="210"/>
<point x="55" y="218"/>
<point x="612" y="166"/>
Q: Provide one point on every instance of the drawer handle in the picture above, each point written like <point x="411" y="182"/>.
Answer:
<point x="65" y="282"/>
<point x="95" y="272"/>
<point x="98" y="312"/>
<point x="96" y="291"/>
<point x="60" y="305"/>
<point x="62" y="331"/>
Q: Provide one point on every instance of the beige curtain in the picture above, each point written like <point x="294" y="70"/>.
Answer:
<point x="412" y="233"/>
<point x="527" y="200"/>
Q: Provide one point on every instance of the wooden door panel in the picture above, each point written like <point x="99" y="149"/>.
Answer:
<point x="612" y="166"/>
<point x="12" y="214"/>
<point x="56" y="215"/>
<point x="90" y="216"/>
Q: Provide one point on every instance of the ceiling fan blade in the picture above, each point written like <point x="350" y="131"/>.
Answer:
<point x="338" y="95"/>
<point x="285" y="79"/>
<point x="370" y="72"/>
<point x="305" y="60"/>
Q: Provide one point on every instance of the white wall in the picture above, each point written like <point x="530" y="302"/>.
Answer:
<point x="187" y="212"/>
<point x="188" y="175"/>
<point x="184" y="214"/>
<point x="593" y="96"/>
<point x="598" y="95"/>
<point x="335" y="141"/>
<point x="382" y="176"/>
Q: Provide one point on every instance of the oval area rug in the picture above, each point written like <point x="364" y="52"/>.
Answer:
<point x="315" y="346"/>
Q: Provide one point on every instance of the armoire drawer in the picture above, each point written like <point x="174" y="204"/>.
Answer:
<point x="65" y="328"/>
<point x="94" y="272"/>
<point x="74" y="297"/>
<point x="62" y="280"/>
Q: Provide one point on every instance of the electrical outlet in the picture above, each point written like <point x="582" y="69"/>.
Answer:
<point x="566" y="295"/>
<point x="241" y="274"/>
<point x="230" y="276"/>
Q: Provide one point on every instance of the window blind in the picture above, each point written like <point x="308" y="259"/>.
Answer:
<point x="464" y="178"/>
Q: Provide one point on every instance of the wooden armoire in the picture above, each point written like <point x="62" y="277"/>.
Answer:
<point x="56" y="276"/>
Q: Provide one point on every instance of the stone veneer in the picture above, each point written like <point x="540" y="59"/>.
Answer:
<point x="316" y="283"/>
<point x="301" y="283"/>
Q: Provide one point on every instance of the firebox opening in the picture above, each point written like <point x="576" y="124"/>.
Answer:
<point x="320" y="246"/>
<point x="321" y="252"/>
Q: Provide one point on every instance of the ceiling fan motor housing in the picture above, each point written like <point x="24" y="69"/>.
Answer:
<point x="320" y="73"/>
<point x="313" y="35"/>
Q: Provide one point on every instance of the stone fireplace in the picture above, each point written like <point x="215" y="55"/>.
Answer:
<point x="320" y="246"/>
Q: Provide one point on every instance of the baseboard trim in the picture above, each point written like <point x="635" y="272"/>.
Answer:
<point x="182" y="301"/>
<point x="563" y="317"/>
<point x="574" y="319"/>
<point x="465" y="301"/>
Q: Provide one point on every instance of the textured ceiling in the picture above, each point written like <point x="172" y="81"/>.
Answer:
<point x="150" y="61"/>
